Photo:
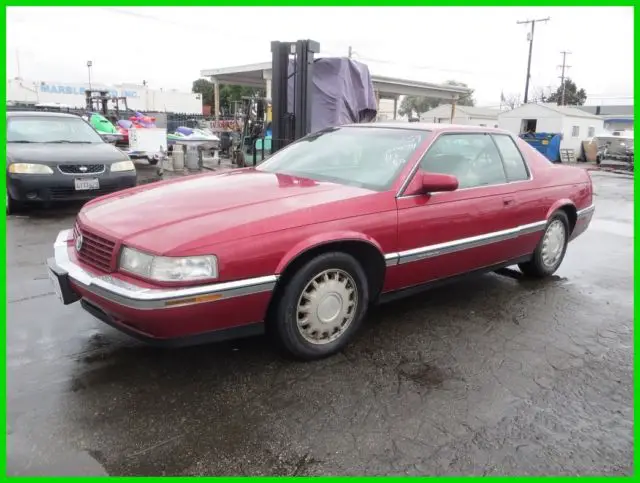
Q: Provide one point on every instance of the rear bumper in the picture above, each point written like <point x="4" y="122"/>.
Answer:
<point x="60" y="187"/>
<point x="583" y="220"/>
<point x="155" y="313"/>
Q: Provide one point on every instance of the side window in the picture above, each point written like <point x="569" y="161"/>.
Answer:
<point x="472" y="158"/>
<point x="591" y="132"/>
<point x="514" y="163"/>
<point x="575" y="131"/>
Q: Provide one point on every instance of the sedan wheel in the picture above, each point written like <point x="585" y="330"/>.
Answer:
<point x="553" y="243"/>
<point x="321" y="306"/>
<point x="327" y="306"/>
<point x="551" y="249"/>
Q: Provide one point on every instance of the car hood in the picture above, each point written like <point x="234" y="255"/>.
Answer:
<point x="64" y="153"/>
<point x="172" y="216"/>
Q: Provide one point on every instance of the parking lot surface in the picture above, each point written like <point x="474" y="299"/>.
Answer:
<point x="493" y="375"/>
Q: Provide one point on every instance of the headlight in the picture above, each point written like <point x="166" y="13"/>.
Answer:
<point x="168" y="269"/>
<point x="29" y="168"/>
<point x="123" y="166"/>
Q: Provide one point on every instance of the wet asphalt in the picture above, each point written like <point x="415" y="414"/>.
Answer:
<point x="494" y="375"/>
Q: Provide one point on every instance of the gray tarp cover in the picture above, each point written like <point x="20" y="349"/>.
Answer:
<point x="342" y="93"/>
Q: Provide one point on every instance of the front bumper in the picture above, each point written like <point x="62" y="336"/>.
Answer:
<point x="61" y="187"/>
<point x="157" y="312"/>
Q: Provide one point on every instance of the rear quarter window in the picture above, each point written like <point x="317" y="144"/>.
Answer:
<point x="514" y="163"/>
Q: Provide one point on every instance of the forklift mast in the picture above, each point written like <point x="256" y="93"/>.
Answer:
<point x="288" y="126"/>
<point x="98" y="101"/>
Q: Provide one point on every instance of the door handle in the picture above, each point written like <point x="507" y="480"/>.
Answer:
<point x="508" y="201"/>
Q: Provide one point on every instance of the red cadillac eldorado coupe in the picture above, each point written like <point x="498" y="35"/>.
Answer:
<point x="306" y="242"/>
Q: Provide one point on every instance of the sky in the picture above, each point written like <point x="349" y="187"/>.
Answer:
<point x="481" y="46"/>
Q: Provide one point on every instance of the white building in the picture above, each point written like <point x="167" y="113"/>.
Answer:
<point x="73" y="95"/>
<point x="574" y="124"/>
<point x="469" y="115"/>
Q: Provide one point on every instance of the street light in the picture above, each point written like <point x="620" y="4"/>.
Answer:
<point x="89" y="64"/>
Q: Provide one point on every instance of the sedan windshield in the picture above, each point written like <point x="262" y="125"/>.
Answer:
<point x="54" y="129"/>
<point x="368" y="157"/>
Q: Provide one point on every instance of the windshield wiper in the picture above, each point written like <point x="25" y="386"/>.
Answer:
<point x="21" y="141"/>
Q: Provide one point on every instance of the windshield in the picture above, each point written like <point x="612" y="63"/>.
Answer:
<point x="50" y="130"/>
<point x="368" y="157"/>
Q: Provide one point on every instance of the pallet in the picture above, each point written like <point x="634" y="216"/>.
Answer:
<point x="567" y="156"/>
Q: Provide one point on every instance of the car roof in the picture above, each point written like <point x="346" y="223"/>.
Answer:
<point x="39" y="114"/>
<point x="426" y="126"/>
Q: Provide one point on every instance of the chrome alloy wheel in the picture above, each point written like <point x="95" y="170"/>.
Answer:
<point x="327" y="306"/>
<point x="553" y="243"/>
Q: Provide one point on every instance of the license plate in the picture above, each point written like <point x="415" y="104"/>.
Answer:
<point x="83" y="184"/>
<point x="56" y="285"/>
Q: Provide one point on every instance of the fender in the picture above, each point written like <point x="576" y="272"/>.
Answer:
<point x="322" y="239"/>
<point x="559" y="204"/>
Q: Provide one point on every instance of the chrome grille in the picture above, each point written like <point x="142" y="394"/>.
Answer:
<point x="95" y="250"/>
<point x="81" y="168"/>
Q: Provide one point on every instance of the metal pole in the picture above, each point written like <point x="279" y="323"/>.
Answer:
<point x="526" y="85"/>
<point x="453" y="109"/>
<point x="216" y="99"/>
<point x="89" y="65"/>
<point x="564" y="67"/>
<point x="533" y="25"/>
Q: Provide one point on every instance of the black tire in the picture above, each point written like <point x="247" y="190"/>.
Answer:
<point x="537" y="267"/>
<point x="285" y="320"/>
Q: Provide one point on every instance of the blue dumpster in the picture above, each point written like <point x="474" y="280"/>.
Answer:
<point x="547" y="143"/>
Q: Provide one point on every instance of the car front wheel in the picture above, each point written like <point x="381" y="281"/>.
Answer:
<point x="551" y="249"/>
<point x="322" y="306"/>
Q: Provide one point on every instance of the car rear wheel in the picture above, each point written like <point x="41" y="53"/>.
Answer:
<point x="322" y="306"/>
<point x="551" y="249"/>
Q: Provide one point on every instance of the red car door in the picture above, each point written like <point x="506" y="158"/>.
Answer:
<point x="446" y="234"/>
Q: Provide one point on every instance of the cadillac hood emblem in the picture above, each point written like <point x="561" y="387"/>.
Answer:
<point x="79" y="241"/>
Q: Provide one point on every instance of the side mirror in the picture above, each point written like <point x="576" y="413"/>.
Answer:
<point x="110" y="138"/>
<point x="436" y="182"/>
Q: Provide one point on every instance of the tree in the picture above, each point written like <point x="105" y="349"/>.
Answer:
<point x="467" y="100"/>
<point x="204" y="87"/>
<point x="540" y="95"/>
<point x="572" y="96"/>
<point x="420" y="104"/>
<point x="417" y="104"/>
<point x="228" y="94"/>
<point x="511" y="101"/>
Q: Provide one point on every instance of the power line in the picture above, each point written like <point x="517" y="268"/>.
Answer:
<point x="414" y="66"/>
<point x="562" y="83"/>
<point x="533" y="26"/>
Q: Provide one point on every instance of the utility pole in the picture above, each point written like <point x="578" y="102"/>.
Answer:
<point x="350" y="51"/>
<point x="533" y="26"/>
<point x="563" y="66"/>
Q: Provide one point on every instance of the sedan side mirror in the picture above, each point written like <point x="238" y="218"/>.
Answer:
<point x="110" y="137"/>
<point x="436" y="182"/>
